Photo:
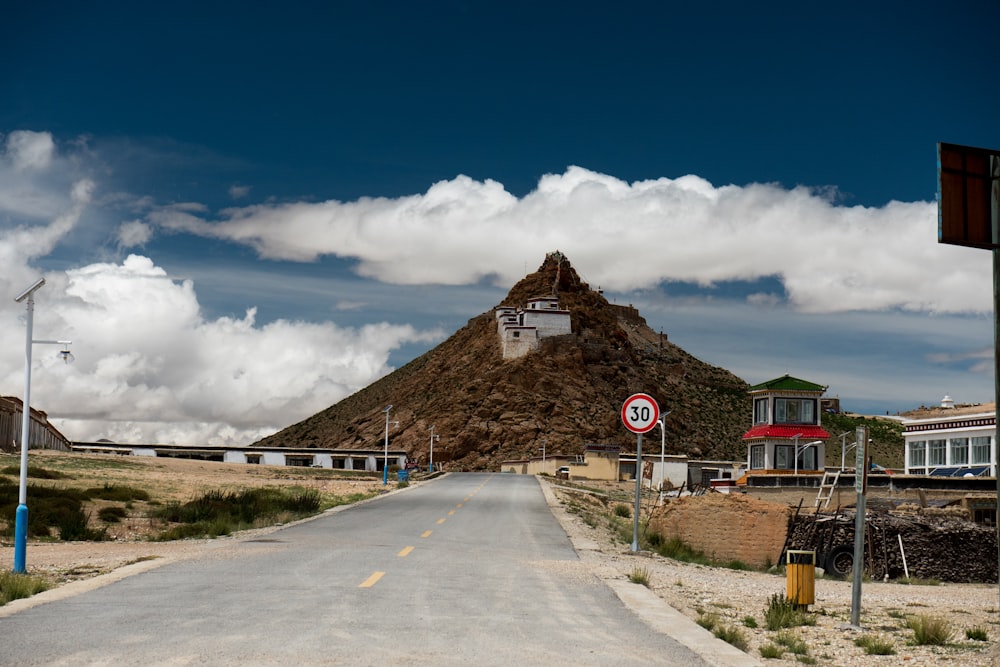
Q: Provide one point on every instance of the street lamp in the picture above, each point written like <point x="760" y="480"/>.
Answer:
<point x="802" y="448"/>
<point x="543" y="455"/>
<point x="661" y="422"/>
<point x="433" y="438"/>
<point x="21" y="515"/>
<point x="385" y="463"/>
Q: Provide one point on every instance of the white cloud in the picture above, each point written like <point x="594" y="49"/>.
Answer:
<point x="150" y="368"/>
<point x="134" y="234"/>
<point x="239" y="191"/>
<point x="829" y="258"/>
<point x="30" y="150"/>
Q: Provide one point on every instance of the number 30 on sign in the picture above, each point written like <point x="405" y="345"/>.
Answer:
<point x="640" y="413"/>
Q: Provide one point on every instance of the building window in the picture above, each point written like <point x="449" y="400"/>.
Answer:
<point x="981" y="449"/>
<point x="783" y="456"/>
<point x="918" y="454"/>
<point x="807" y="458"/>
<point x="757" y="457"/>
<point x="794" y="411"/>
<point x="760" y="411"/>
<point x="959" y="451"/>
<point x="937" y="453"/>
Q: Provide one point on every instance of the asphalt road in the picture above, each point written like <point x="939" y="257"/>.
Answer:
<point x="468" y="569"/>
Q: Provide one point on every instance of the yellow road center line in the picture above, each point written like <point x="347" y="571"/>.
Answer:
<point x="459" y="505"/>
<point x="405" y="552"/>
<point x="427" y="533"/>
<point x="451" y="513"/>
<point x="372" y="580"/>
<point x="440" y="521"/>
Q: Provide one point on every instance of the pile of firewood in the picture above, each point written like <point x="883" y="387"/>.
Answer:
<point x="941" y="547"/>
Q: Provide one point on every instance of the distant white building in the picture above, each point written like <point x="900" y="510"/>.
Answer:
<point x="521" y="330"/>
<point x="951" y="441"/>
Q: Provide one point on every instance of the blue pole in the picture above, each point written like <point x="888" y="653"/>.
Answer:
<point x="21" y="515"/>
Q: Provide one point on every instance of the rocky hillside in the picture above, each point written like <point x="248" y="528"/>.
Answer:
<point x="567" y="394"/>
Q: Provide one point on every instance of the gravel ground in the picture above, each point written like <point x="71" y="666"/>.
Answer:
<point x="732" y="596"/>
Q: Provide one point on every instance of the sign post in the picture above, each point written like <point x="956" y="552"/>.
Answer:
<point x="639" y="414"/>
<point x="860" y="477"/>
<point x="969" y="215"/>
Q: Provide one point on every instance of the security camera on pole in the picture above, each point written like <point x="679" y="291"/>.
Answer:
<point x="639" y="414"/>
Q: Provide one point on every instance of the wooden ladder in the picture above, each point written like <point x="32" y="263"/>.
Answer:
<point x="826" y="487"/>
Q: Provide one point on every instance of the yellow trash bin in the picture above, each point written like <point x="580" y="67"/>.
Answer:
<point x="800" y="571"/>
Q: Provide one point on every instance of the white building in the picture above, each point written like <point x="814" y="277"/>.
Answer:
<point x="521" y="330"/>
<point x="952" y="440"/>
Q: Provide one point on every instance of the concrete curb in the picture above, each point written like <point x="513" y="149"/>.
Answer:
<point x="653" y="610"/>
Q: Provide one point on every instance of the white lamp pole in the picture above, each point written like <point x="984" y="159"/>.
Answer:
<point x="661" y="422"/>
<point x="385" y="463"/>
<point x="433" y="438"/>
<point x="543" y="456"/>
<point x="21" y="515"/>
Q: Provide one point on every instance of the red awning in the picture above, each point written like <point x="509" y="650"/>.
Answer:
<point x="787" y="431"/>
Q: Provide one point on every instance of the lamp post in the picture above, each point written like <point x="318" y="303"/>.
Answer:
<point x="661" y="422"/>
<point x="385" y="463"/>
<point x="803" y="448"/>
<point x="543" y="455"/>
<point x="433" y="438"/>
<point x="21" y="515"/>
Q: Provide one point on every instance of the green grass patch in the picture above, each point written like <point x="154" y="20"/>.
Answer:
<point x="792" y="643"/>
<point x="781" y="612"/>
<point x="875" y="645"/>
<point x="731" y="635"/>
<point x="977" y="634"/>
<point x="639" y="575"/>
<point x="16" y="586"/>
<point x="223" y="512"/>
<point x="33" y="472"/>
<point x="929" y="630"/>
<point x="708" y="620"/>
<point x="116" y="492"/>
<point x="622" y="510"/>
<point x="112" y="514"/>
<point x="771" y="651"/>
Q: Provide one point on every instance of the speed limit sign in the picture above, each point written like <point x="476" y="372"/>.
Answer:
<point x="640" y="413"/>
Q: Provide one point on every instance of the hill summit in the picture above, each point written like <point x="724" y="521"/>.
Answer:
<point x="566" y="393"/>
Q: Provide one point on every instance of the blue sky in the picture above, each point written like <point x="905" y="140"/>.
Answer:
<point x="247" y="211"/>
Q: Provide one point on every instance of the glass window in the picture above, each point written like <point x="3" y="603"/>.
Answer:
<point x="783" y="457"/>
<point x="981" y="450"/>
<point x="794" y="411"/>
<point x="959" y="451"/>
<point x="918" y="453"/>
<point x="760" y="410"/>
<point x="757" y="457"/>
<point x="807" y="458"/>
<point x="936" y="453"/>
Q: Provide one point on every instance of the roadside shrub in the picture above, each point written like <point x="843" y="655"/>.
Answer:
<point x="977" y="634"/>
<point x="750" y="622"/>
<point x="771" y="651"/>
<point x="622" y="510"/>
<point x="676" y="549"/>
<point x="16" y="586"/>
<point x="929" y="630"/>
<point x="221" y="512"/>
<point x="875" y="645"/>
<point x="73" y="526"/>
<point x="117" y="493"/>
<point x="732" y="635"/>
<point x="33" y="472"/>
<point x="781" y="612"/>
<point x="708" y="620"/>
<point x="639" y="575"/>
<point x="112" y="514"/>
<point x="792" y="643"/>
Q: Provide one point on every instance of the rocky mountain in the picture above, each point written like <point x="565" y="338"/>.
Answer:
<point x="567" y="393"/>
